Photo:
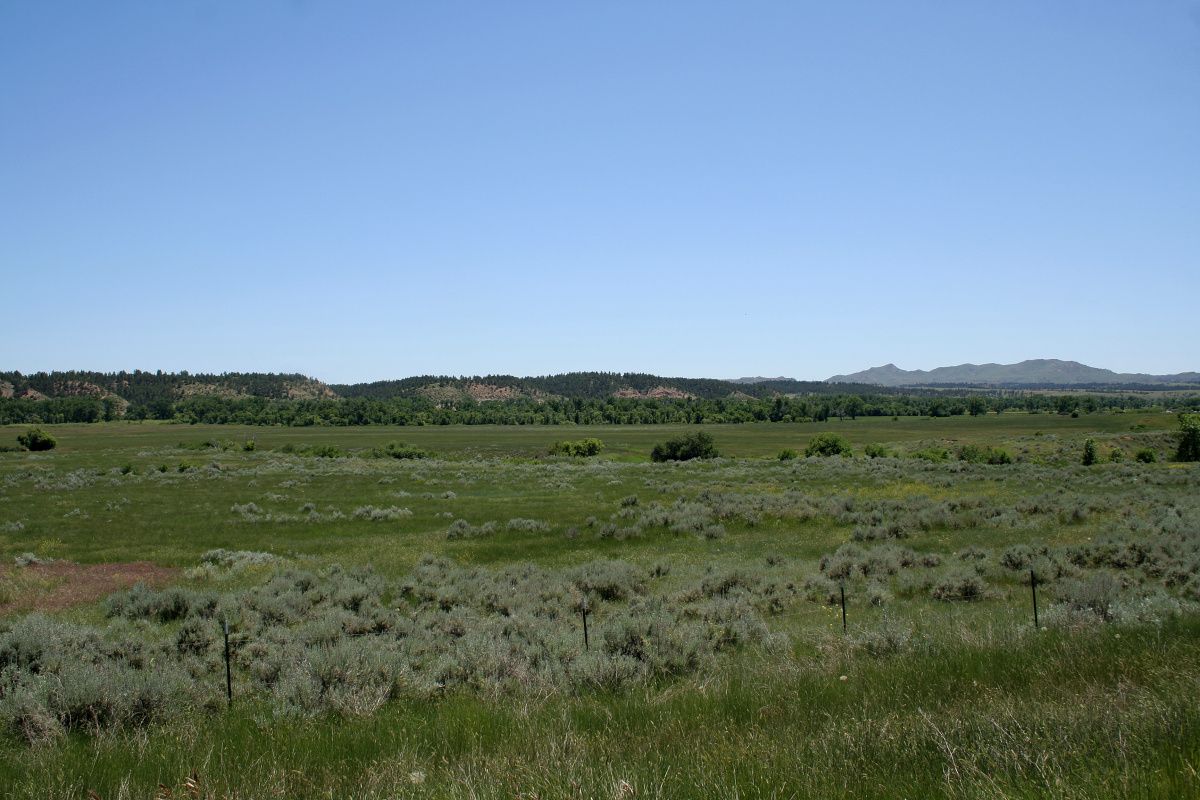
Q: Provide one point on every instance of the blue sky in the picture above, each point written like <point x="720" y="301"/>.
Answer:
<point x="363" y="191"/>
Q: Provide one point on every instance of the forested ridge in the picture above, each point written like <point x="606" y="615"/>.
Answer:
<point x="581" y="398"/>
<point x="145" y="388"/>
<point x="597" y="385"/>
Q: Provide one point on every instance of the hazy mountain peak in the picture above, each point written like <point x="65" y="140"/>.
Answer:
<point x="1044" y="371"/>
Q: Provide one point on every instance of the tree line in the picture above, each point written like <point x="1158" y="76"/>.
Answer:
<point x="212" y="409"/>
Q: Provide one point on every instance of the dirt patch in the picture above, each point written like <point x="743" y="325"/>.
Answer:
<point x="77" y="389"/>
<point x="290" y="390"/>
<point x="657" y="393"/>
<point x="49" y="587"/>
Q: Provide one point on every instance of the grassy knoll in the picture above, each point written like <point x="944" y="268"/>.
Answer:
<point x="413" y="627"/>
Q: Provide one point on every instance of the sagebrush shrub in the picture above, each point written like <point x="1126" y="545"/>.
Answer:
<point x="959" y="585"/>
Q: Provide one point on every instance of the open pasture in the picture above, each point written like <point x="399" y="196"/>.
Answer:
<point x="101" y="497"/>
<point x="396" y="620"/>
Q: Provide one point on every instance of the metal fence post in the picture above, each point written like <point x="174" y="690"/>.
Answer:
<point x="228" y="672"/>
<point x="842" y="584"/>
<point x="1033" y="588"/>
<point x="585" y="632"/>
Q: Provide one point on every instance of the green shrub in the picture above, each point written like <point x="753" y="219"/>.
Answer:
<point x="1189" y="437"/>
<point x="311" y="450"/>
<point x="584" y="448"/>
<point x="932" y="453"/>
<point x="1146" y="456"/>
<point x="876" y="451"/>
<point x="996" y="456"/>
<point x="787" y="454"/>
<point x="398" y="450"/>
<point x="828" y="444"/>
<point x="1116" y="455"/>
<point x="975" y="454"/>
<point x="685" y="448"/>
<point x="1089" y="453"/>
<point x="36" y="439"/>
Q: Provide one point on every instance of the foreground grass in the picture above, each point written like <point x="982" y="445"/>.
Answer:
<point x="969" y="714"/>
<point x="976" y="705"/>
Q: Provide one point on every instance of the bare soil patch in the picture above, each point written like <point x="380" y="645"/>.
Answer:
<point x="49" y="587"/>
<point x="658" y="393"/>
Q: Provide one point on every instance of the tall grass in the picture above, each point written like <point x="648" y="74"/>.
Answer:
<point x="1057" y="715"/>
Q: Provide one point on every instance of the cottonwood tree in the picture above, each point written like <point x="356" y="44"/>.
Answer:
<point x="1189" y="437"/>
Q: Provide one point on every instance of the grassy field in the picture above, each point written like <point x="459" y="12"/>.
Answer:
<point x="413" y="627"/>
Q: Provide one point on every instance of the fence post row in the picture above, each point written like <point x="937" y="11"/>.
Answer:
<point x="586" y="644"/>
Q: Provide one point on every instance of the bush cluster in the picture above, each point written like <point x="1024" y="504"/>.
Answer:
<point x="398" y="450"/>
<point x="828" y="444"/>
<point x="975" y="454"/>
<point x="36" y="440"/>
<point x="584" y="448"/>
<point x="311" y="450"/>
<point x="685" y="448"/>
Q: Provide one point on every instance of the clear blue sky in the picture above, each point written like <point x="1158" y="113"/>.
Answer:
<point x="371" y="190"/>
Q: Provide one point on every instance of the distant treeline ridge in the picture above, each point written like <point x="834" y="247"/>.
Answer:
<point x="214" y="409"/>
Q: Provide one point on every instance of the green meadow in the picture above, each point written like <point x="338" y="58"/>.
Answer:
<point x="414" y="626"/>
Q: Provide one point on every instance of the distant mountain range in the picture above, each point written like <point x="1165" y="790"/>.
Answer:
<point x="1035" y="372"/>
